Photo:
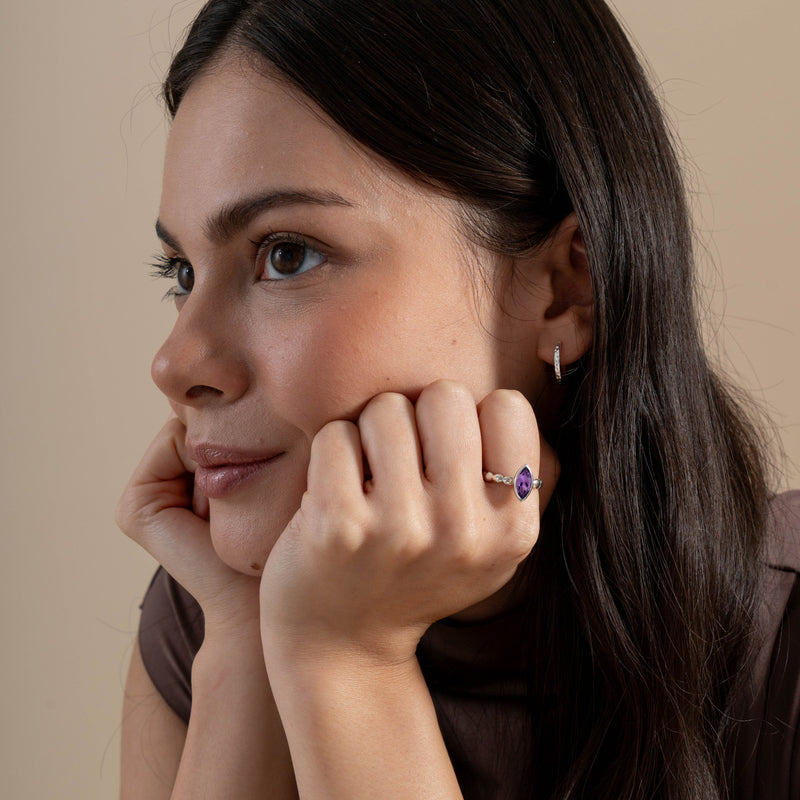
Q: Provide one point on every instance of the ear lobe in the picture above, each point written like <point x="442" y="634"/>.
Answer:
<point x="568" y="320"/>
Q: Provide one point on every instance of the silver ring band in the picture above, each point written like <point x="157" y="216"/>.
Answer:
<point x="522" y="482"/>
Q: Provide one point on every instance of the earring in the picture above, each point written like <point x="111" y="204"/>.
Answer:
<point x="557" y="362"/>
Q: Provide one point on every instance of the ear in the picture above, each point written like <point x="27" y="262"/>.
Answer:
<point x="563" y="272"/>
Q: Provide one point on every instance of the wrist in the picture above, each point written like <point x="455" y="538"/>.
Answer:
<point x="312" y="650"/>
<point x="335" y="669"/>
<point x="233" y="623"/>
<point x="235" y="745"/>
<point x="312" y="693"/>
<point x="229" y="649"/>
<point x="357" y="726"/>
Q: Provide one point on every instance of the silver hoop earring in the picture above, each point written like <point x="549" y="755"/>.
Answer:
<point x="557" y="362"/>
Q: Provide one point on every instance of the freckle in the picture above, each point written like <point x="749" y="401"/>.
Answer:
<point x="455" y="342"/>
<point x="255" y="567"/>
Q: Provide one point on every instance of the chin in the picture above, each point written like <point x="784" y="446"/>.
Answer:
<point x="243" y="540"/>
<point x="246" y="523"/>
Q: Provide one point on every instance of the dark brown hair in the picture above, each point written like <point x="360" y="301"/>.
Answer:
<point x="644" y="580"/>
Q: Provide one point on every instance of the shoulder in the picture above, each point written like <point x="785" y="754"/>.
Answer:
<point x="768" y="712"/>
<point x="783" y="533"/>
<point x="777" y="624"/>
<point x="171" y="630"/>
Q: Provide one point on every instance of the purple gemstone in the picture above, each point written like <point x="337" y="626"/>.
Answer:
<point x="523" y="482"/>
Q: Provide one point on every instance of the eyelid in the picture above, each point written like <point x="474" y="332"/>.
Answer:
<point x="294" y="237"/>
<point x="267" y="242"/>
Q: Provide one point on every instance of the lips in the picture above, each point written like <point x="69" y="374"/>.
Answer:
<point x="221" y="470"/>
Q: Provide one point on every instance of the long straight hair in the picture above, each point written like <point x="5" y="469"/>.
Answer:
<point x="644" y="581"/>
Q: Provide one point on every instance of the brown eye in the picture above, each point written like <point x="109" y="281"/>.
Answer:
<point x="185" y="278"/>
<point x="287" y="256"/>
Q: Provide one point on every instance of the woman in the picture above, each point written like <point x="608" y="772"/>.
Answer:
<point x="415" y="246"/>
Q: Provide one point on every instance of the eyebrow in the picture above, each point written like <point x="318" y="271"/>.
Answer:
<point x="234" y="217"/>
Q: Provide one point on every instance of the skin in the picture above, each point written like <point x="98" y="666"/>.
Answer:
<point x="384" y="380"/>
<point x="393" y="307"/>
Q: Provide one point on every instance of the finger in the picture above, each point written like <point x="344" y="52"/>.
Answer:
<point x="549" y="471"/>
<point x="388" y="429"/>
<point x="510" y="440"/>
<point x="166" y="458"/>
<point x="449" y="435"/>
<point x="156" y="508"/>
<point x="200" y="504"/>
<point x="176" y="430"/>
<point x="336" y="460"/>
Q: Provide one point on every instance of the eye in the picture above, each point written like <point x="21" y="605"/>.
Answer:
<point x="185" y="277"/>
<point x="285" y="255"/>
<point x="177" y="269"/>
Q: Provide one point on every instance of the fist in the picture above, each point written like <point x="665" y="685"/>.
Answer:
<point x="398" y="527"/>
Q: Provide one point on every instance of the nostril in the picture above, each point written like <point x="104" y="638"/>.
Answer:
<point x="198" y="392"/>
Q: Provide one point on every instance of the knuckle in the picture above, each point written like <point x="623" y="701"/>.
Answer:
<point x="445" y="389"/>
<point x="341" y="525"/>
<point x="461" y="528"/>
<point x="129" y="523"/>
<point x="121" y="515"/>
<point x="386" y="403"/>
<point x="506" y="401"/>
<point x="173" y="426"/>
<point x="469" y="555"/>
<point x="124" y="515"/>
<point x="331" y="431"/>
<point x="445" y="396"/>
<point x="412" y="537"/>
<point x="331" y="437"/>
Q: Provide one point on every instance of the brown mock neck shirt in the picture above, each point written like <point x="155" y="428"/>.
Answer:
<point x="476" y="676"/>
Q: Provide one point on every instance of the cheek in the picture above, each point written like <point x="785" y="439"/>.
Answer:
<point x="332" y="366"/>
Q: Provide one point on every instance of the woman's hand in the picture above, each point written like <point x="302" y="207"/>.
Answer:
<point x="235" y="745"/>
<point x="160" y="510"/>
<point x="366" y="566"/>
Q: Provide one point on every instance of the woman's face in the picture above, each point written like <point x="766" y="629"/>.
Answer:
<point x="321" y="277"/>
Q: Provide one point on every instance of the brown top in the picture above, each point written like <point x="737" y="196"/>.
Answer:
<point x="477" y="681"/>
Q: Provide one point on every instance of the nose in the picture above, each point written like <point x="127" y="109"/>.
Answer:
<point x="202" y="361"/>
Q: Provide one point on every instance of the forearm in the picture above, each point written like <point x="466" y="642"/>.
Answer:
<point x="152" y="738"/>
<point x="359" y="731"/>
<point x="235" y="745"/>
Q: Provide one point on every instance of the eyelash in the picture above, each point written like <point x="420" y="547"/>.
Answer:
<point x="165" y="266"/>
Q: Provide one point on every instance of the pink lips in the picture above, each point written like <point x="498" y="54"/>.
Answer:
<point x="220" y="471"/>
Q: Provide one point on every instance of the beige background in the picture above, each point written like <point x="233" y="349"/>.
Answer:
<point x="80" y="150"/>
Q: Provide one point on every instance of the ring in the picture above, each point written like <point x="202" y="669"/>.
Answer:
<point x="523" y="482"/>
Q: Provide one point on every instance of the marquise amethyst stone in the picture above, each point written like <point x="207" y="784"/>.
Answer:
<point x="523" y="482"/>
